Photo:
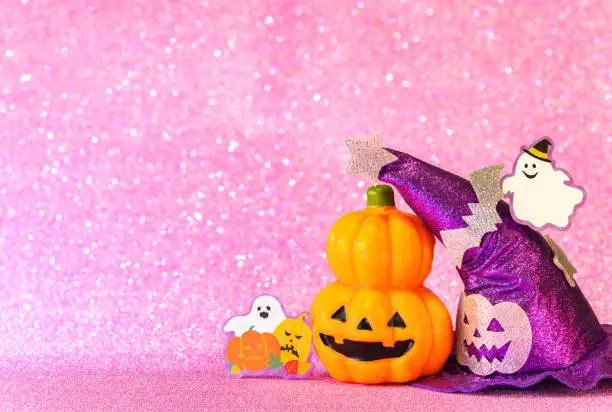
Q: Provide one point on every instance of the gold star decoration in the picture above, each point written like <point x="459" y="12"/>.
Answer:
<point x="561" y="260"/>
<point x="367" y="157"/>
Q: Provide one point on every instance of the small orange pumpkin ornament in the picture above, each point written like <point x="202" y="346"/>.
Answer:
<point x="380" y="324"/>
<point x="251" y="351"/>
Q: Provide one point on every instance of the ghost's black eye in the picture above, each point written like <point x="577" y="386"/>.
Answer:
<point x="298" y="336"/>
<point x="396" y="321"/>
<point x="526" y="165"/>
<point x="465" y="319"/>
<point x="364" y="324"/>
<point x="287" y="333"/>
<point x="258" y="307"/>
<point x="340" y="314"/>
<point x="268" y="307"/>
<point x="533" y="165"/>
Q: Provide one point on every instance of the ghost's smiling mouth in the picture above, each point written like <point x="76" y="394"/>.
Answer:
<point x="530" y="176"/>
<point x="367" y="351"/>
<point x="484" y="352"/>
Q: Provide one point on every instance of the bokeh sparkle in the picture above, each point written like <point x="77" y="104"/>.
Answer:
<point x="161" y="163"/>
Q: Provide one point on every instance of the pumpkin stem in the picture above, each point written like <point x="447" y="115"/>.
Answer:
<point x="381" y="195"/>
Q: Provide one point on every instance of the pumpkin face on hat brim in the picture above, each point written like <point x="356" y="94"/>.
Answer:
<point x="370" y="335"/>
<point x="491" y="338"/>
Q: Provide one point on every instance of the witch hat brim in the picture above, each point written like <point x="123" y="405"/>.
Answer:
<point x="583" y="374"/>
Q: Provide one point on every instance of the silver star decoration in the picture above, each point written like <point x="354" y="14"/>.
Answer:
<point x="561" y="260"/>
<point x="484" y="217"/>
<point x="367" y="157"/>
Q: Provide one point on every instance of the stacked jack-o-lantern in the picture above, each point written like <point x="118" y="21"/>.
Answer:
<point x="378" y="323"/>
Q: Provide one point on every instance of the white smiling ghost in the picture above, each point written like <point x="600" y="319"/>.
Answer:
<point x="539" y="193"/>
<point x="265" y="315"/>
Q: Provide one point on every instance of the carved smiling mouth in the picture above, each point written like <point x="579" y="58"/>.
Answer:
<point x="530" y="176"/>
<point x="290" y="349"/>
<point x="484" y="352"/>
<point x="367" y="351"/>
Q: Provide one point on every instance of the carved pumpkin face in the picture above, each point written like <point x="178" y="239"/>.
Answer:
<point x="252" y="350"/>
<point x="491" y="338"/>
<point x="295" y="338"/>
<point x="371" y="335"/>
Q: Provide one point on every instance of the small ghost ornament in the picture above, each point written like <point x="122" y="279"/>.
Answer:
<point x="541" y="194"/>
<point x="265" y="315"/>
<point x="491" y="338"/>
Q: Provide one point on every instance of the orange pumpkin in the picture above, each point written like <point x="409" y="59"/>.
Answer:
<point x="251" y="351"/>
<point x="380" y="246"/>
<point x="370" y="335"/>
<point x="378" y="323"/>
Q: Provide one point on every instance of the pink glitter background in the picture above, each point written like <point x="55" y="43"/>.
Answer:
<point x="161" y="163"/>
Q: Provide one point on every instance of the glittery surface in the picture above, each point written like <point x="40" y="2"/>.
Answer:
<point x="210" y="390"/>
<point x="562" y="261"/>
<point x="585" y="374"/>
<point x="441" y="199"/>
<point x="483" y="217"/>
<point x="512" y="263"/>
<point x="162" y="163"/>
<point x="366" y="157"/>
<point x="475" y="339"/>
<point x="516" y="264"/>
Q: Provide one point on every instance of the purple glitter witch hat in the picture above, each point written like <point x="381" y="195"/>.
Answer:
<point x="521" y="318"/>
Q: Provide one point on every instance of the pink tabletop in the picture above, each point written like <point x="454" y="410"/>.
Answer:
<point x="161" y="163"/>
<point x="209" y="389"/>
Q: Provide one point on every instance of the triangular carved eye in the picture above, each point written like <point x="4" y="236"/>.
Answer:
<point x="495" y="326"/>
<point x="364" y="324"/>
<point x="340" y="314"/>
<point x="396" y="321"/>
<point x="465" y="319"/>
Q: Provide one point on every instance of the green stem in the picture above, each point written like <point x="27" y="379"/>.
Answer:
<point x="381" y="195"/>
